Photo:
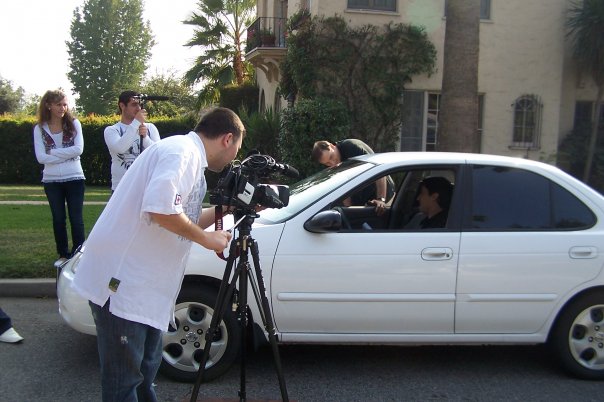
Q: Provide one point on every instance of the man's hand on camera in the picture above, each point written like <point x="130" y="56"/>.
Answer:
<point x="143" y="130"/>
<point x="141" y="116"/>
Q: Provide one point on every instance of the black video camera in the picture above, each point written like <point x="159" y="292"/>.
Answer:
<point x="239" y="184"/>
<point x="145" y="98"/>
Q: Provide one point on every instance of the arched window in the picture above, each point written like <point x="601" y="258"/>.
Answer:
<point x="277" y="105"/>
<point x="527" y="122"/>
<point x="262" y="101"/>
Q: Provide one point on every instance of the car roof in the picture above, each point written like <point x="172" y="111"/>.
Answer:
<point x="395" y="158"/>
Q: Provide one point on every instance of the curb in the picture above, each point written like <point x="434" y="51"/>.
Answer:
<point x="38" y="287"/>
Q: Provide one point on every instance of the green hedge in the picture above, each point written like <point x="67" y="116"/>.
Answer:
<point x="18" y="164"/>
<point x="237" y="97"/>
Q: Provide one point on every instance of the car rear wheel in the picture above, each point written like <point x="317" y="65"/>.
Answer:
<point x="578" y="337"/>
<point x="182" y="347"/>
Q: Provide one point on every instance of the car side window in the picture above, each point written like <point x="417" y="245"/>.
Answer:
<point x="515" y="199"/>
<point x="403" y="211"/>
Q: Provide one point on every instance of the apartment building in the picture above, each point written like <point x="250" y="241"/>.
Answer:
<point x="530" y="93"/>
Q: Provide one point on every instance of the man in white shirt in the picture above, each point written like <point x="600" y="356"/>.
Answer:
<point x="129" y="137"/>
<point x="134" y="259"/>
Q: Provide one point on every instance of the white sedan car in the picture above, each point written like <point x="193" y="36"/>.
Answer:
<point x="518" y="259"/>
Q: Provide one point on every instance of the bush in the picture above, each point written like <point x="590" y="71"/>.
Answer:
<point x="304" y="124"/>
<point x="19" y="165"/>
<point x="238" y="97"/>
<point x="571" y="157"/>
<point x="262" y="132"/>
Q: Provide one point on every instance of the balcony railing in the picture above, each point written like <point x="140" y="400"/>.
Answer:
<point x="266" y="32"/>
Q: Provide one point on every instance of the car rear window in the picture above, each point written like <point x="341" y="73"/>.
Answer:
<point x="515" y="199"/>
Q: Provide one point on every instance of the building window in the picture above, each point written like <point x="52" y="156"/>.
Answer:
<point x="380" y="5"/>
<point x="485" y="9"/>
<point x="432" y="121"/>
<point x="527" y="122"/>
<point x="420" y="116"/>
<point x="584" y="115"/>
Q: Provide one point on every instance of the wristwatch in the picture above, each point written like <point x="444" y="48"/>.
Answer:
<point x="382" y="199"/>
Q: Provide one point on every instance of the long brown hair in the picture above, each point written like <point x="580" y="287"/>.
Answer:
<point x="54" y="96"/>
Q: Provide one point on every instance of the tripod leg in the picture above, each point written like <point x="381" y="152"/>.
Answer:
<point x="224" y="294"/>
<point x="242" y="317"/>
<point x="267" y="318"/>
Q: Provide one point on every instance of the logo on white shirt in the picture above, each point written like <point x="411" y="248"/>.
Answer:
<point x="178" y="199"/>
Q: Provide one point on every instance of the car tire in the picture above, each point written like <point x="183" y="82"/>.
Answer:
<point x="182" y="348"/>
<point x="578" y="337"/>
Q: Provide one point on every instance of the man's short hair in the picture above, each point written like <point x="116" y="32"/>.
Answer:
<point x="439" y="185"/>
<point x="126" y="96"/>
<point x="318" y="149"/>
<point x="217" y="121"/>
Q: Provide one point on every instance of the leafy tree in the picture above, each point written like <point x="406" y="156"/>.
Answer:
<point x="586" y="30"/>
<point x="30" y="105"/>
<point x="219" y="28"/>
<point x="109" y="48"/>
<point x="182" y="98"/>
<point x="11" y="99"/>
<point x="458" y="118"/>
<point x="363" y="68"/>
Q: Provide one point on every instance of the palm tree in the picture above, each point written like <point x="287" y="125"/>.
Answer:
<point x="220" y="26"/>
<point x="586" y="29"/>
<point x="458" y="117"/>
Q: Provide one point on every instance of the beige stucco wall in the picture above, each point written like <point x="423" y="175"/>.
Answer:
<point x="523" y="50"/>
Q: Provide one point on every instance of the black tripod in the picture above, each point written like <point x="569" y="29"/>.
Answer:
<point x="242" y="275"/>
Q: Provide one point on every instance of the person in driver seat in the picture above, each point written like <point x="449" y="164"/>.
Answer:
<point x="434" y="198"/>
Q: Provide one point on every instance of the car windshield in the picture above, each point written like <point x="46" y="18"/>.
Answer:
<point x="307" y="191"/>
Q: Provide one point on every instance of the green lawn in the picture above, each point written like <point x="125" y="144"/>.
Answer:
<point x="27" y="247"/>
<point x="36" y="193"/>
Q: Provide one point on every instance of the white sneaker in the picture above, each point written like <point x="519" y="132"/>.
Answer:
<point x="60" y="262"/>
<point x="10" y="336"/>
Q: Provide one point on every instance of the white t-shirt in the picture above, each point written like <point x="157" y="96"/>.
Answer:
<point x="123" y="143"/>
<point x="134" y="261"/>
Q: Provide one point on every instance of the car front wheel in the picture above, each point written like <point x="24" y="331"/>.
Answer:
<point x="578" y="337"/>
<point x="182" y="347"/>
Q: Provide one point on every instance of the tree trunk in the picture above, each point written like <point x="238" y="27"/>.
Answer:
<point x="593" y="139"/>
<point x="458" y="116"/>
<point x="238" y="67"/>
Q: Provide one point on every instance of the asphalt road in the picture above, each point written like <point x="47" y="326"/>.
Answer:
<point x="55" y="363"/>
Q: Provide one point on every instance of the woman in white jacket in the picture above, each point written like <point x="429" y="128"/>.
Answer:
<point x="58" y="142"/>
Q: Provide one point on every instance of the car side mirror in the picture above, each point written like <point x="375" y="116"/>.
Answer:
<point x="324" y="222"/>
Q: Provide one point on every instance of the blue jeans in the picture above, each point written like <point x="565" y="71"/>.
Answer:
<point x="130" y="355"/>
<point x="71" y="192"/>
<point x="5" y="322"/>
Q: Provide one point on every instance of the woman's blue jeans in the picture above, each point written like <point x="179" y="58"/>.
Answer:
<point x="130" y="355"/>
<point x="58" y="193"/>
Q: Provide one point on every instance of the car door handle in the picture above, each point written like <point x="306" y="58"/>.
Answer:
<point x="583" y="252"/>
<point x="437" y="253"/>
